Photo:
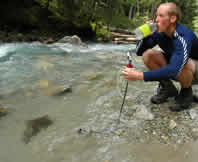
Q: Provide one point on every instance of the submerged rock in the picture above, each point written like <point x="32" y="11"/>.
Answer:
<point x="92" y="75"/>
<point x="87" y="132"/>
<point x="49" y="89"/>
<point x="44" y="65"/>
<point x="3" y="111"/>
<point x="33" y="127"/>
<point x="43" y="83"/>
<point x="58" y="90"/>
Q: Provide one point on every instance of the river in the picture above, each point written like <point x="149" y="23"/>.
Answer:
<point x="30" y="70"/>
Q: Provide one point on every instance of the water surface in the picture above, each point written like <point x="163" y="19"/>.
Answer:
<point x="29" y="70"/>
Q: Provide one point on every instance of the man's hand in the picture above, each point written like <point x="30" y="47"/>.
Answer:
<point x="131" y="74"/>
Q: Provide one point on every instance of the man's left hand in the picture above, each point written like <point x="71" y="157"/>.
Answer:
<point x="132" y="74"/>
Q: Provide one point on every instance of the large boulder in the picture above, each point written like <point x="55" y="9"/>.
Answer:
<point x="75" y="40"/>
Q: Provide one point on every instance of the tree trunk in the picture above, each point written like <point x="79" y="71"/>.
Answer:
<point x="153" y="10"/>
<point x="47" y="5"/>
<point x="138" y="9"/>
<point x="130" y="12"/>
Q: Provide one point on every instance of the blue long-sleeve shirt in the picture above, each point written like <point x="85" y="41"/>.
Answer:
<point x="181" y="46"/>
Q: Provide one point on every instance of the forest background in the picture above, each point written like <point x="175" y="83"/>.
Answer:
<point x="89" y="19"/>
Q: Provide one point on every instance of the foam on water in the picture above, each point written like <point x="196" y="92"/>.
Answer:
<point x="5" y="49"/>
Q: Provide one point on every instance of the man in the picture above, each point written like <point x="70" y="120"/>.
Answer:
<point x="177" y="61"/>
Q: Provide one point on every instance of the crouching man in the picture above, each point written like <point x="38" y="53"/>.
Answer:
<point x="178" y="59"/>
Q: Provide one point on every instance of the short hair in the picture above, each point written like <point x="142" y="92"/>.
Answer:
<point x="174" y="10"/>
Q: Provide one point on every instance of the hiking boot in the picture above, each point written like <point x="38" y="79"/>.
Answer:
<point x="183" y="100"/>
<point x="165" y="90"/>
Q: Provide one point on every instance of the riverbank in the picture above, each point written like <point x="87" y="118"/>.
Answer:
<point x="34" y="35"/>
<point x="118" y="36"/>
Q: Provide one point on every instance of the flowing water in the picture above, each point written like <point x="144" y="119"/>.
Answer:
<point x="28" y="71"/>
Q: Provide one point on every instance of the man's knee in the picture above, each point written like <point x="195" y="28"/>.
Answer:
<point x="153" y="56"/>
<point x="186" y="76"/>
<point x="148" y="56"/>
<point x="189" y="67"/>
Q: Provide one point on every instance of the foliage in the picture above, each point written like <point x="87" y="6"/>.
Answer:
<point x="97" y="15"/>
<point x="139" y="20"/>
<point x="121" y="22"/>
<point x="195" y="20"/>
<point x="101" y="31"/>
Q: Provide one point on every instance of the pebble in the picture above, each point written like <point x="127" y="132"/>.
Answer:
<point x="3" y="110"/>
<point x="193" y="113"/>
<point x="172" y="124"/>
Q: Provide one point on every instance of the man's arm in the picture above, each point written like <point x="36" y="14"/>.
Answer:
<point x="146" y="43"/>
<point x="180" y="55"/>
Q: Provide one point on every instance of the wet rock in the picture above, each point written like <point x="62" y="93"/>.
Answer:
<point x="193" y="113"/>
<point x="33" y="127"/>
<point x="45" y="57"/>
<point x="195" y="133"/>
<point x="49" y="41"/>
<point x="120" y="132"/>
<point x="66" y="63"/>
<point x="44" y="65"/>
<point x="73" y="40"/>
<point x="58" y="90"/>
<point x="49" y="89"/>
<point x="172" y="124"/>
<point x="43" y="84"/>
<point x="143" y="113"/>
<point x="7" y="92"/>
<point x="110" y="83"/>
<point x="79" y="130"/>
<point x="3" y="111"/>
<point x="1" y="96"/>
<point x="103" y="57"/>
<point x="92" y="75"/>
<point x="87" y="132"/>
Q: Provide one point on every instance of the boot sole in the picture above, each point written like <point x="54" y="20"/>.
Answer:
<point x="166" y="100"/>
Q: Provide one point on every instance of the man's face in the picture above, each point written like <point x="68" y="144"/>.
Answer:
<point x="163" y="19"/>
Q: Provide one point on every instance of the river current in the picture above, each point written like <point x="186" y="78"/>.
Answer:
<point x="27" y="73"/>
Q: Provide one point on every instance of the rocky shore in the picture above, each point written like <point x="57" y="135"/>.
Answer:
<point x="35" y="35"/>
<point x="118" y="36"/>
